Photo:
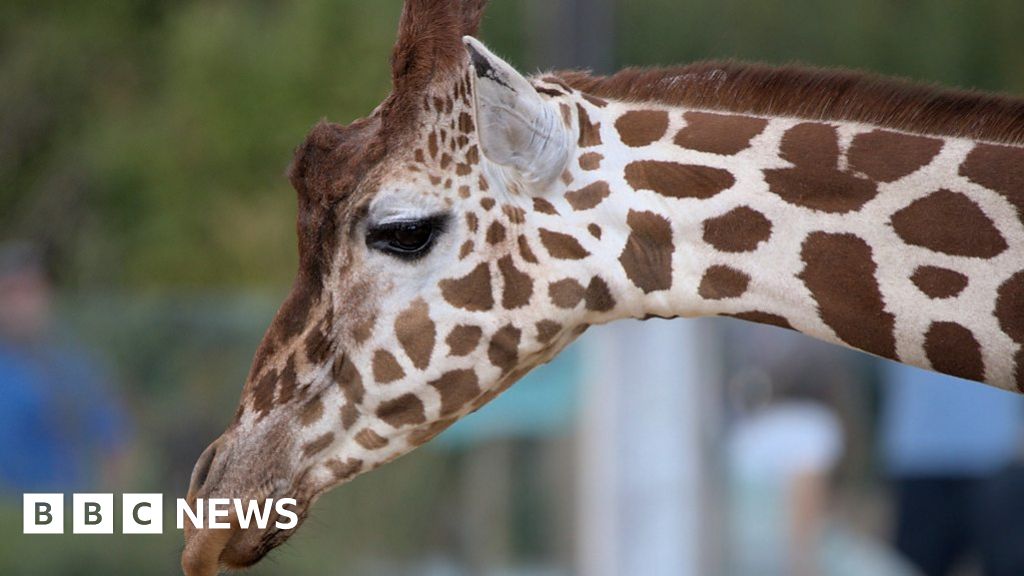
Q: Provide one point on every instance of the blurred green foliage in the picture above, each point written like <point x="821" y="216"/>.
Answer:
<point x="147" y="141"/>
<point x="975" y="44"/>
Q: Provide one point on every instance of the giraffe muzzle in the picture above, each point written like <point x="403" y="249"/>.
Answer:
<point x="253" y="496"/>
<point x="203" y="547"/>
<point x="203" y="550"/>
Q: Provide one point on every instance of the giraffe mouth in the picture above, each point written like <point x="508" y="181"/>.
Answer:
<point x="208" y="551"/>
<point x="203" y="551"/>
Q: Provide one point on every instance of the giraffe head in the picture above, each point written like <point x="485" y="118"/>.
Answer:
<point x="422" y="292"/>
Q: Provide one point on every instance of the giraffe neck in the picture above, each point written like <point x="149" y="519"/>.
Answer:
<point x="906" y="246"/>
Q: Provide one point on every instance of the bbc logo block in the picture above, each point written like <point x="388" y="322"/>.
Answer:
<point x="93" y="513"/>
<point x="142" y="513"/>
<point x="43" y="514"/>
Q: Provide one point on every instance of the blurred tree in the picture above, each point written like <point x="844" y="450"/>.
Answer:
<point x="147" y="144"/>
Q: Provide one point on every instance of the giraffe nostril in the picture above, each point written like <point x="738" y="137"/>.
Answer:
<point x="202" y="468"/>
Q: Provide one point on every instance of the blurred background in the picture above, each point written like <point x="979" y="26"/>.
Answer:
<point x="147" y="237"/>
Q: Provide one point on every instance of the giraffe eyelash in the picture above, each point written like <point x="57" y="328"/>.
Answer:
<point x="408" y="239"/>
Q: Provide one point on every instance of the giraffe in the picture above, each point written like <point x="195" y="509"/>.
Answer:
<point x="478" y="221"/>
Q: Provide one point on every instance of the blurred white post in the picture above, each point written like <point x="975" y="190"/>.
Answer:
<point x="641" y="466"/>
<point x="640" y="475"/>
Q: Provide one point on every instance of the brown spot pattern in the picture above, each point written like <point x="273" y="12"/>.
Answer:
<point x="840" y="273"/>
<point x="471" y="292"/>
<point x="318" y="342"/>
<point x="518" y="285"/>
<point x="950" y="223"/>
<point x="591" y="161"/>
<point x="888" y="156"/>
<point x="544" y="207"/>
<point x="345" y="470"/>
<point x="590" y="133"/>
<point x="263" y="393"/>
<point x="953" y="349"/>
<point x="763" y="318"/>
<point x="566" y="293"/>
<point x="647" y="256"/>
<point x="724" y="134"/>
<point x="594" y="230"/>
<point x="350" y="381"/>
<point x="816" y="181"/>
<point x="516" y="215"/>
<point x="416" y="333"/>
<point x="1010" y="307"/>
<point x="562" y="107"/>
<point x="317" y="445"/>
<point x="363" y="328"/>
<point x="937" y="282"/>
<point x="495" y="233"/>
<point x="525" y="251"/>
<point x="589" y="196"/>
<point x="386" y="368"/>
<point x="406" y="410"/>
<point x="676" y="180"/>
<point x="466" y="123"/>
<point x="503" y="350"/>
<point x="432" y="144"/>
<point x="739" y="230"/>
<point x="456" y="388"/>
<point x="424" y="435"/>
<point x="463" y="339"/>
<point x="598" y="298"/>
<point x="642" y="127"/>
<point x="720" y="282"/>
<point x="999" y="168"/>
<point x="311" y="411"/>
<point x="370" y="440"/>
<point x="546" y="330"/>
<point x="287" y="382"/>
<point x="562" y="246"/>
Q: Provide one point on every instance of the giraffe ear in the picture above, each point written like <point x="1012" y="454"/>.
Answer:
<point x="517" y="128"/>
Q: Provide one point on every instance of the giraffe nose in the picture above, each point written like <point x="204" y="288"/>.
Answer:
<point x="202" y="468"/>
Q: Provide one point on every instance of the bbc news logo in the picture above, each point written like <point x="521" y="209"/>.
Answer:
<point x="143" y="513"/>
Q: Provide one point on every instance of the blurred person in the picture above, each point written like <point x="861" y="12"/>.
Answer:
<point x="62" y="428"/>
<point x="952" y="449"/>
<point x="782" y="455"/>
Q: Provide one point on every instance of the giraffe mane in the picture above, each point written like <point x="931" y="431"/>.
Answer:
<point x="815" y="94"/>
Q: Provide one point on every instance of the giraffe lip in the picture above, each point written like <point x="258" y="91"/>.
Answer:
<point x="203" y="551"/>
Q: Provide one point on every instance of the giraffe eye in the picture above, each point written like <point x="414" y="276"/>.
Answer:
<point x="407" y="239"/>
